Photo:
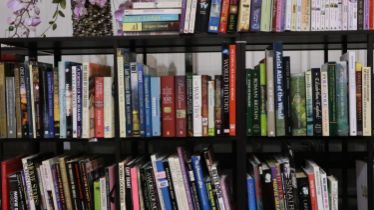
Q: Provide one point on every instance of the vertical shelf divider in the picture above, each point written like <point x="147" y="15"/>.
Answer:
<point x="59" y="144"/>
<point x="370" y="162"/>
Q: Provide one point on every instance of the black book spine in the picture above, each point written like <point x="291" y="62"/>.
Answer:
<point x="128" y="191"/>
<point x="69" y="100"/>
<point x="145" y="188"/>
<point x="317" y="114"/>
<point x="34" y="184"/>
<point x="21" y="191"/>
<point x="189" y="73"/>
<point x="79" y="187"/>
<point x="192" y="180"/>
<point x="86" y="187"/>
<point x="225" y="89"/>
<point x="60" y="198"/>
<point x="128" y="104"/>
<point x="14" y="197"/>
<point x="60" y="186"/>
<point x="171" y="187"/>
<point x="233" y="16"/>
<point x="288" y="187"/>
<point x="202" y="16"/>
<point x="154" y="202"/>
<point x="73" y="188"/>
<point x="211" y="194"/>
<point x="287" y="91"/>
<point x="268" y="199"/>
<point x="303" y="191"/>
<point x="44" y="105"/>
<point x="28" y="96"/>
<point x="256" y="128"/>
<point x="360" y="14"/>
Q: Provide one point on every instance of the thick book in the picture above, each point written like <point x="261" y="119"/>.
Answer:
<point x="332" y="98"/>
<point x="255" y="15"/>
<point x="168" y="106"/>
<point x="109" y="125"/>
<point x="270" y="92"/>
<point x="3" y="128"/>
<point x="161" y="182"/>
<point x="298" y="114"/>
<point x="182" y="158"/>
<point x="232" y="88"/>
<point x="121" y="91"/>
<point x="324" y="190"/>
<point x="99" y="107"/>
<point x="140" y="69"/>
<point x="68" y="101"/>
<point x="317" y="103"/>
<point x="303" y="191"/>
<point x="278" y="89"/>
<point x="180" y="106"/>
<point x="312" y="188"/>
<point x="56" y="103"/>
<point x="359" y="98"/>
<point x="244" y="16"/>
<point x="204" y="104"/>
<point x="197" y="105"/>
<point x="268" y="199"/>
<point x="155" y="106"/>
<point x="214" y="16"/>
<point x="134" y="100"/>
<point x="170" y="186"/>
<point x="24" y="102"/>
<point x="366" y="101"/>
<point x="128" y="95"/>
<point x="180" y="191"/>
<point x="40" y="102"/>
<point x="224" y="16"/>
<point x="8" y="167"/>
<point x="10" y="103"/>
<point x="266" y="13"/>
<point x="199" y="176"/>
<point x="317" y="181"/>
<point x="233" y="16"/>
<point x="78" y="99"/>
<point x="325" y="101"/>
<point x="225" y="89"/>
<point x="74" y="70"/>
<point x="202" y="16"/>
<point x="342" y="99"/>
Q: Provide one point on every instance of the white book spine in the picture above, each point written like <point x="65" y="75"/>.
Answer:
<point x="48" y="168"/>
<point x="328" y="15"/>
<point x="211" y="113"/>
<point x="361" y="185"/>
<point x="32" y="103"/>
<point x="366" y="101"/>
<point x="334" y="193"/>
<point x="43" y="175"/>
<point x="313" y="15"/>
<point x="62" y="101"/>
<point x="288" y="21"/>
<point x="298" y="20"/>
<point x="294" y="16"/>
<point x="85" y="101"/>
<point x="325" y="102"/>
<point x="154" y="5"/>
<point x="338" y="17"/>
<point x="192" y="17"/>
<point x="122" y="186"/>
<point x="270" y="93"/>
<point x="196" y="104"/>
<point x="325" y="192"/>
<point x="152" y="11"/>
<point x="28" y="184"/>
<point x="178" y="184"/>
<point x="74" y="100"/>
<point x="159" y="193"/>
<point x="323" y="15"/>
<point x="333" y="15"/>
<point x="108" y="108"/>
<point x="345" y="15"/>
<point x="350" y="58"/>
<point x="103" y="197"/>
<point x="318" y="15"/>
<point x="352" y="15"/>
<point x="121" y="95"/>
<point x="187" y="16"/>
<point x="317" y="180"/>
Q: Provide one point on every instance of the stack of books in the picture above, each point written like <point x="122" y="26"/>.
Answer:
<point x="276" y="184"/>
<point x="176" y="181"/>
<point x="333" y="100"/>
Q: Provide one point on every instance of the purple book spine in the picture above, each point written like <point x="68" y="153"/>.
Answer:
<point x="79" y="100"/>
<point x="183" y="16"/>
<point x="112" y="185"/>
<point x="225" y="193"/>
<point x="182" y="161"/>
<point x="366" y="14"/>
<point x="255" y="15"/>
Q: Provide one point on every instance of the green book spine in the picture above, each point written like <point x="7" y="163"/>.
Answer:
<point x="263" y="116"/>
<point x="332" y="98"/>
<point x="341" y="99"/>
<point x="97" y="200"/>
<point x="256" y="101"/>
<point x="298" y="112"/>
<point x="266" y="15"/>
<point x="249" y="102"/>
<point x="309" y="103"/>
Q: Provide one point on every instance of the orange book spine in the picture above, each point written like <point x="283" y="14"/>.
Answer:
<point x="371" y="14"/>
<point x="232" y="88"/>
<point x="99" y="107"/>
<point x="224" y="16"/>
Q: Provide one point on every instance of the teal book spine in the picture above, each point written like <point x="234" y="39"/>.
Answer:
<point x="298" y="112"/>
<point x="332" y="98"/>
<point x="249" y="102"/>
<point x="342" y="99"/>
<point x="256" y="101"/>
<point x="309" y="103"/>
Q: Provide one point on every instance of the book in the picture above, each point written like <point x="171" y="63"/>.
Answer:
<point x="359" y="87"/>
<point x="250" y="101"/>
<point x="303" y="190"/>
<point x="287" y="93"/>
<point x="256" y="129"/>
<point x="147" y="106"/>
<point x="341" y="99"/>
<point x="218" y="104"/>
<point x="255" y="16"/>
<point x="361" y="184"/>
<point x="270" y="104"/>
<point x="121" y="86"/>
<point x="223" y="24"/>
<point x="244" y="16"/>
<point x="3" y="124"/>
<point x="278" y="89"/>
<point x="333" y="192"/>
<point x="317" y="102"/>
<point x="232" y="92"/>
<point x="225" y="89"/>
<point x="155" y="104"/>
<point x="168" y="106"/>
<point x="233" y="16"/>
<point x="211" y="108"/>
<point x="8" y="168"/>
<point x="10" y="104"/>
<point x="204" y="104"/>
<point x="366" y="101"/>
<point x="325" y="101"/>
<point x="214" y="16"/>
<point x="108" y="108"/>
<point x="140" y="71"/>
<point x="17" y="87"/>
<point x="251" y="193"/>
<point x="197" y="105"/>
<point x="99" y="107"/>
<point x="298" y="116"/>
<point x="202" y="16"/>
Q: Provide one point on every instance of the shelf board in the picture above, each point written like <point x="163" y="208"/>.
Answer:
<point x="348" y="139"/>
<point x="194" y="42"/>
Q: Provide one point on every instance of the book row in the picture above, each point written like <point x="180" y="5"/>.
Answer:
<point x="222" y="16"/>
<point x="333" y="100"/>
<point x="76" y="100"/>
<point x="275" y="184"/>
<point x="176" y="181"/>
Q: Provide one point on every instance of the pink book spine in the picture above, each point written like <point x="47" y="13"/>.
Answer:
<point x="134" y="188"/>
<point x="112" y="185"/>
<point x="279" y="16"/>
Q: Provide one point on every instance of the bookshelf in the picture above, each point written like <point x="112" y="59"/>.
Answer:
<point x="240" y="144"/>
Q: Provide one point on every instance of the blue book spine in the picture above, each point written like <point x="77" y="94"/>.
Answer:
<point x="164" y="185"/>
<point x="251" y="189"/>
<point x="279" y="90"/>
<point x="28" y="96"/>
<point x="141" y="98"/>
<point x="79" y="100"/>
<point x="255" y="15"/>
<point x="51" y="126"/>
<point x="147" y="101"/>
<point x="55" y="185"/>
<point x="128" y="104"/>
<point x="155" y="106"/>
<point x="150" y="18"/>
<point x="61" y="86"/>
<point x="44" y="90"/>
<point x="214" y="17"/>
<point x="200" y="184"/>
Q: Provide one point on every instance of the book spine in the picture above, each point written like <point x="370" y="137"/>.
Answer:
<point x="121" y="92"/>
<point x="332" y="98"/>
<point x="74" y="100"/>
<point x="304" y="193"/>
<point x="148" y="106"/>
<point x="202" y="17"/>
<point x="68" y="100"/>
<point x="128" y="192"/>
<point x="250" y="101"/>
<point x="217" y="186"/>
<point x="218" y="104"/>
<point x="65" y="182"/>
<point x="214" y="17"/>
<point x="50" y="103"/>
<point x="44" y="100"/>
<point x="35" y="189"/>
<point x="351" y="66"/>
<point x="305" y="15"/>
<point x="294" y="16"/>
<point x="225" y="90"/>
<point x="309" y="103"/>
<point x="168" y="106"/>
<point x="233" y="16"/>
<point x="298" y="120"/>
<point x="185" y="175"/>
<point x="170" y="185"/>
<point x="256" y="101"/>
<point x="251" y="193"/>
<point x="265" y="17"/>
<point x="211" y="107"/>
<point x="193" y="183"/>
<point x="211" y="196"/>
<point x="366" y="14"/>
<point x="32" y="99"/>
<point x="224" y="16"/>
<point x="325" y="191"/>
<point x="270" y="93"/>
<point x="325" y="103"/>
<point x="37" y="100"/>
<point x="198" y="173"/>
<point x="204" y="104"/>
<point x="317" y="114"/>
<point x="155" y="104"/>
<point x="287" y="94"/>
<point x="151" y="26"/>
<point x="54" y="179"/>
<point x="30" y="103"/>
<point x="187" y="16"/>
<point x="134" y="100"/>
<point x="182" y="19"/>
<point x="359" y="99"/>
<point x="244" y="16"/>
<point x="99" y="107"/>
<point x="278" y="87"/>
<point x="108" y="108"/>
<point x="56" y="103"/>
<point x="279" y="15"/>
<point x="62" y="97"/>
<point x="197" y="105"/>
<point x="255" y="15"/>
<point x="103" y="198"/>
<point x="163" y="185"/>
<point x="10" y="100"/>
<point x="263" y="115"/>
<point x="85" y="68"/>
<point x="352" y="15"/>
<point x="288" y="15"/>
<point x="121" y="185"/>
<point x="345" y="15"/>
<point x="140" y="70"/>
<point x="78" y="100"/>
<point x="128" y="98"/>
<point x="366" y="101"/>
<point x="289" y="186"/>
<point x="312" y="191"/>
<point x="192" y="21"/>
<point x="23" y="100"/>
<point x="189" y="99"/>
<point x="341" y="99"/>
<point x="180" y="106"/>
<point x="232" y="88"/>
<point x="360" y="14"/>
<point x="17" y="88"/>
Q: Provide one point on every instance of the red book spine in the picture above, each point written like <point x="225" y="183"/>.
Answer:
<point x="312" y="189"/>
<point x="4" y="187"/>
<point x="181" y="106"/>
<point x="204" y="103"/>
<point x="371" y="14"/>
<point x="224" y="16"/>
<point x="232" y="87"/>
<point x="99" y="107"/>
<point x="274" y="16"/>
<point x="134" y="188"/>
<point x="168" y="106"/>
<point x="278" y="25"/>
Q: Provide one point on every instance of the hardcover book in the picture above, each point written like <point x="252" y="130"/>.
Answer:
<point x="168" y="106"/>
<point x="298" y="114"/>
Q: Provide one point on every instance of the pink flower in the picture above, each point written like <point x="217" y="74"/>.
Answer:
<point x="11" y="20"/>
<point x="80" y="11"/>
<point x="15" y="5"/>
<point x="100" y="3"/>
<point x="118" y="14"/>
<point x="34" y="21"/>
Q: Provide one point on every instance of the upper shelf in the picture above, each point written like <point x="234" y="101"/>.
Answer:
<point x="195" y="42"/>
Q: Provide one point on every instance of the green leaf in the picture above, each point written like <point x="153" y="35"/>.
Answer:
<point x="55" y="14"/>
<point x="51" y="22"/>
<point x="56" y="1"/>
<point x="11" y="28"/>
<point x="54" y="26"/>
<point x="61" y="13"/>
<point x="63" y="4"/>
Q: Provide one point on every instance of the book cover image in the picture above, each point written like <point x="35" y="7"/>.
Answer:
<point x="298" y="112"/>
